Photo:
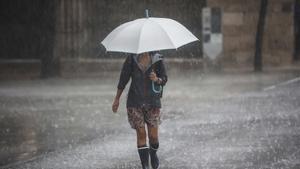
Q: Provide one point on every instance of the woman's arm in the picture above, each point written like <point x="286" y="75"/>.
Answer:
<point x="125" y="73"/>
<point x="123" y="80"/>
<point x="116" y="102"/>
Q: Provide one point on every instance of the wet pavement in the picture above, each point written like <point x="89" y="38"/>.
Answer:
<point x="210" y="121"/>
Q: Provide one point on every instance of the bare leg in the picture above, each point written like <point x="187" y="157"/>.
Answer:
<point x="141" y="136"/>
<point x="153" y="134"/>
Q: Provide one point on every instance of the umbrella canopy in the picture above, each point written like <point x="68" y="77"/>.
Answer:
<point x="148" y="34"/>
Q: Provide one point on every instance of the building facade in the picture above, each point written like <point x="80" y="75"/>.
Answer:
<point x="240" y="19"/>
<point x="63" y="34"/>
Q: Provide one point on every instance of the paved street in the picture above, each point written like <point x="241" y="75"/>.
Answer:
<point x="210" y="121"/>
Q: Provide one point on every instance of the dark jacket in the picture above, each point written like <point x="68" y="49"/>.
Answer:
<point x="141" y="91"/>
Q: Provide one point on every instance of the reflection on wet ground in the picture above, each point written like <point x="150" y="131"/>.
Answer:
<point x="43" y="116"/>
<point x="18" y="139"/>
<point x="209" y="121"/>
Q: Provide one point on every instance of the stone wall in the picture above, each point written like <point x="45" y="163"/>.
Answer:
<point x="279" y="39"/>
<point x="240" y="18"/>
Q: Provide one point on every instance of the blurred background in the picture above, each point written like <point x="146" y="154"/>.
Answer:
<point x="62" y="37"/>
<point x="57" y="83"/>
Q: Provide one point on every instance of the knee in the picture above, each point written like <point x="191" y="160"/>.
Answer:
<point x="153" y="138"/>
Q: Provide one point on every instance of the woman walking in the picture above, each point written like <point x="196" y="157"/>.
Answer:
<point x="148" y="76"/>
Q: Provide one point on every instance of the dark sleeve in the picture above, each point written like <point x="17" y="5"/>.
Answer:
<point x="161" y="73"/>
<point x="125" y="73"/>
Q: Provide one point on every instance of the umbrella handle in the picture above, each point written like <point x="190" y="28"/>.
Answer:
<point x="154" y="90"/>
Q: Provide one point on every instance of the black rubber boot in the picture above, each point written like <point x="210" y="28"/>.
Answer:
<point x="144" y="156"/>
<point x="153" y="156"/>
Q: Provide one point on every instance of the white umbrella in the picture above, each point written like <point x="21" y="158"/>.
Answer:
<point x="148" y="34"/>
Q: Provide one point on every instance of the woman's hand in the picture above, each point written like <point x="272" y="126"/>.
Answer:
<point x="115" y="105"/>
<point x="153" y="76"/>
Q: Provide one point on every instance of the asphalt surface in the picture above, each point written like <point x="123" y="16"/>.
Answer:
<point x="210" y="121"/>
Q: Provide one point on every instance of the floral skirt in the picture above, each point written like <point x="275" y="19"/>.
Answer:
<point x="137" y="117"/>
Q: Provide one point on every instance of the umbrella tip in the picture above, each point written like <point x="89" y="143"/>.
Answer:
<point x="147" y="13"/>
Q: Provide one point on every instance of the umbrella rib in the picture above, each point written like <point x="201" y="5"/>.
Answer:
<point x="140" y="36"/>
<point x="166" y="33"/>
